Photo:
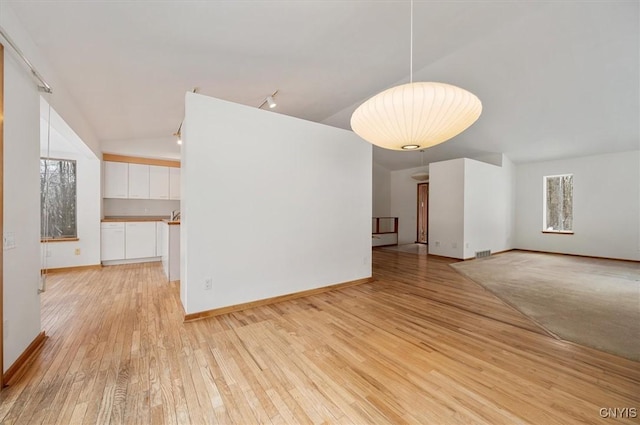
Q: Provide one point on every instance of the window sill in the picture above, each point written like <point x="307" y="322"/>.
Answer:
<point x="60" y="240"/>
<point x="559" y="232"/>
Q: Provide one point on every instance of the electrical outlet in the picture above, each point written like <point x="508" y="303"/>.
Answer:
<point x="454" y="245"/>
<point x="77" y="251"/>
<point x="208" y="284"/>
<point x="437" y="243"/>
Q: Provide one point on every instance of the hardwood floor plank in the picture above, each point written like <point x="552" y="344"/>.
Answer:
<point x="420" y="344"/>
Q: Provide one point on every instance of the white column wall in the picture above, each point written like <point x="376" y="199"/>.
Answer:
<point x="381" y="191"/>
<point x="471" y="207"/>
<point x="488" y="207"/>
<point x="446" y="208"/>
<point x="21" y="181"/>
<point x="21" y="267"/>
<point x="271" y="205"/>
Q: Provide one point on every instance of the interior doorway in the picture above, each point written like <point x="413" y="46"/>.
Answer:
<point x="422" y="232"/>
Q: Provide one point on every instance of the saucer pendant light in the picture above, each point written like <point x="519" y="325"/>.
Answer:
<point x="415" y="115"/>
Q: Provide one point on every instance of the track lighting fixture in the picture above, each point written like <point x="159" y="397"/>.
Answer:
<point x="178" y="133"/>
<point x="269" y="100"/>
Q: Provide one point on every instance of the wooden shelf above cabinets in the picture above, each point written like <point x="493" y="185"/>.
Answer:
<point x="139" y="160"/>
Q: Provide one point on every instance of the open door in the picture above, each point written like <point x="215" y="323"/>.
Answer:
<point x="423" y="213"/>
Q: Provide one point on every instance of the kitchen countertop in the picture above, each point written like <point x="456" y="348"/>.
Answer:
<point x="135" y="218"/>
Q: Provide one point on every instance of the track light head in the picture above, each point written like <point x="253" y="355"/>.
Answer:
<point x="269" y="100"/>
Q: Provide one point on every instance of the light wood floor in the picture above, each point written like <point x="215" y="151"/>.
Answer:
<point x="421" y="344"/>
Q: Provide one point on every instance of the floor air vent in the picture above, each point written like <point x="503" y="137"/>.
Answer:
<point x="482" y="254"/>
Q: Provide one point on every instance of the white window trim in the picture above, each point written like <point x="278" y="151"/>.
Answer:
<point x="544" y="205"/>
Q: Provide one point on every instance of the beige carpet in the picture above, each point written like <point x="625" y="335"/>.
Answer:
<point x="593" y="302"/>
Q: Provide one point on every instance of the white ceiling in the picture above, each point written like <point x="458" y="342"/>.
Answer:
<point x="557" y="79"/>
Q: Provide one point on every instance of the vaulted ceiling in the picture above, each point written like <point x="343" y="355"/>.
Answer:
<point x="556" y="79"/>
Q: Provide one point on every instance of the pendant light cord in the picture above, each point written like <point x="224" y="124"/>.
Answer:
<point x="411" y="48"/>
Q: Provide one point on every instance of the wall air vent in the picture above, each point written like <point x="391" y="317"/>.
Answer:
<point x="482" y="254"/>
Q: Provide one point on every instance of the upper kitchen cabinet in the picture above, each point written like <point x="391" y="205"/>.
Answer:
<point x="138" y="181"/>
<point x="174" y="183"/>
<point x="158" y="182"/>
<point x="140" y="178"/>
<point x="116" y="179"/>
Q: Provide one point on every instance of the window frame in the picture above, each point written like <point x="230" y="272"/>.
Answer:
<point x="74" y="238"/>
<point x="544" y="204"/>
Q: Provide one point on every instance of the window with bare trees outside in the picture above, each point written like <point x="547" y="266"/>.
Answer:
<point x="558" y="204"/>
<point x="57" y="199"/>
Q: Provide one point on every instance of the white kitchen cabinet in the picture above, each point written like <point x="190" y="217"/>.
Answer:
<point x="116" y="179"/>
<point x="158" y="182"/>
<point x="171" y="250"/>
<point x="159" y="238"/>
<point x="140" y="240"/>
<point x="174" y="183"/>
<point x="112" y="241"/>
<point x="138" y="181"/>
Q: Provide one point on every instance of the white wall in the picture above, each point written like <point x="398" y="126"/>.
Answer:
<point x="404" y="202"/>
<point x="271" y="205"/>
<point x="489" y="206"/>
<point x="21" y="181"/>
<point x="606" y="210"/>
<point x="381" y="191"/>
<point x="62" y="254"/>
<point x="139" y="207"/>
<point x="471" y="207"/>
<point x="21" y="210"/>
<point x="446" y="208"/>
<point x="58" y="140"/>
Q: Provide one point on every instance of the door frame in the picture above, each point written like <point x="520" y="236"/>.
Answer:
<point x="2" y="215"/>
<point x="418" y="186"/>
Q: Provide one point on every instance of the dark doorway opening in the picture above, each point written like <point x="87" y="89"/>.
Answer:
<point x="422" y="232"/>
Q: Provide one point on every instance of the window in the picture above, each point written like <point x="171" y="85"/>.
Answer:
<point x="57" y="199"/>
<point x="558" y="204"/>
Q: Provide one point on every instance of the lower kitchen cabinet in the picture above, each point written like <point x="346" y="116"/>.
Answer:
<point x="140" y="239"/>
<point x="129" y="242"/>
<point x="112" y="241"/>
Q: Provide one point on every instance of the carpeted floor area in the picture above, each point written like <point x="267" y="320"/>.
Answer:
<point x="593" y="302"/>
